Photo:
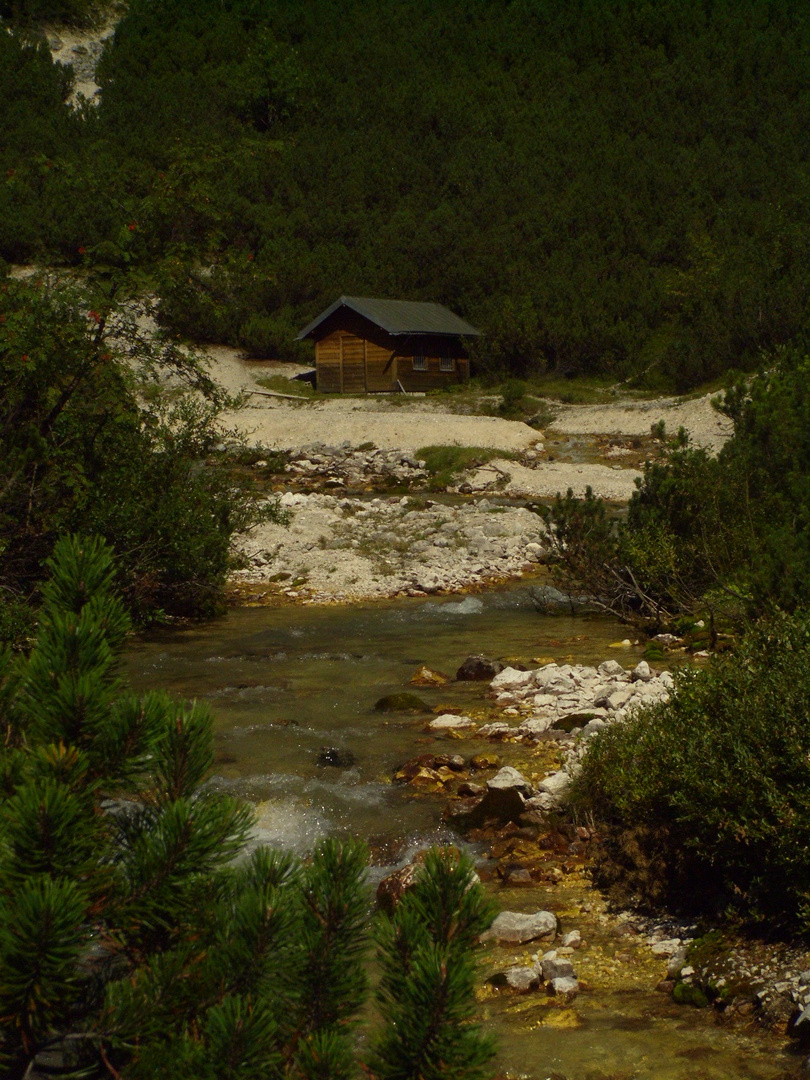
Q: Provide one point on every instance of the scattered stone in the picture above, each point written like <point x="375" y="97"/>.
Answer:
<point x="468" y="789"/>
<point x="642" y="672"/>
<point x="495" y="730"/>
<point x="666" y="948"/>
<point x="677" y="963"/>
<point x="450" y="761"/>
<point x="392" y="888"/>
<point x="556" y="786"/>
<point x="537" y="725"/>
<point x="510" y="678"/>
<point x="498" y="807"/>
<point x="554" y="967"/>
<point x="507" y="777"/>
<point x="799" y="1027"/>
<point x="516" y="875"/>
<point x="516" y="927"/>
<point x="571" y="940"/>
<point x="611" y="669"/>
<point x="414" y="765"/>
<point x="337" y="758"/>
<point x="478" y="669"/>
<point x="427" y="779"/>
<point x="485" y="761"/>
<point x="518" y="978"/>
<point x="573" y="720"/>
<point x="566" y="988"/>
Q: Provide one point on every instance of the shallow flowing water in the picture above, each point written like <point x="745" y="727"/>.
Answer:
<point x="284" y="683"/>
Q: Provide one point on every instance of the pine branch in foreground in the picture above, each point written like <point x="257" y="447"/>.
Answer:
<point x="139" y="939"/>
<point x="426" y="991"/>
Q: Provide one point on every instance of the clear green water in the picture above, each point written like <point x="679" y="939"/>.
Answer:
<point x="284" y="683"/>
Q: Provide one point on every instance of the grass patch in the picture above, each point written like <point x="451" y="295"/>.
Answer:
<point x="582" y="391"/>
<point x="282" y="385"/>
<point x="446" y="463"/>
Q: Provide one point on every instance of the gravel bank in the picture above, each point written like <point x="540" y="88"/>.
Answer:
<point x="338" y="548"/>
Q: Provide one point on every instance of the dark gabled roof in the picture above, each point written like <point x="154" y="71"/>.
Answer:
<point x="398" y="317"/>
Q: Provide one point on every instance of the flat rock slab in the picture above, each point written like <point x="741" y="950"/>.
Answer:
<point x="449" y="720"/>
<point x="517" y="978"/>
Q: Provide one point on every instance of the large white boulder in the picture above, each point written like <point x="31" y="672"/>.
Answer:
<point x="507" y="777"/>
<point x="517" y="927"/>
<point x="512" y="679"/>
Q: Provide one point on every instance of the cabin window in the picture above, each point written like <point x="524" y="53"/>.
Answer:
<point x="446" y="363"/>
<point x="420" y="363"/>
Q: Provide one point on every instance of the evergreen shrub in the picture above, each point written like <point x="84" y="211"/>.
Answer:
<point x="725" y="536"/>
<point x="138" y="935"/>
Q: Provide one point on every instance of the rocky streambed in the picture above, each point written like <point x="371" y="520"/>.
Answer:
<point x="482" y="759"/>
<point x="548" y="957"/>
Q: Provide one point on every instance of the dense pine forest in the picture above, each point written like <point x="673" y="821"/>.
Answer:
<point x="609" y="186"/>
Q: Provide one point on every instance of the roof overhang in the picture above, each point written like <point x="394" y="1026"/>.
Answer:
<point x="399" y="318"/>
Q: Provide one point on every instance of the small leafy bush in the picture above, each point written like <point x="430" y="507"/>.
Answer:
<point x="94" y="437"/>
<point x="705" y="799"/>
<point x="513" y="396"/>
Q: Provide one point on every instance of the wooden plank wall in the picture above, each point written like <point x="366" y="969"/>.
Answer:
<point x="381" y="368"/>
<point x="350" y="364"/>
<point x="353" y="351"/>
<point x="328" y="365"/>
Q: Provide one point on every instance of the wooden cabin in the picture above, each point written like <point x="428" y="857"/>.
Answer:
<point x="378" y="346"/>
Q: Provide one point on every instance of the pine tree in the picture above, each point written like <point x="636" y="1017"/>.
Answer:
<point x="137" y="937"/>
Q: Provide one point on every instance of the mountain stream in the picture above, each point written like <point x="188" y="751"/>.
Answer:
<point x="285" y="683"/>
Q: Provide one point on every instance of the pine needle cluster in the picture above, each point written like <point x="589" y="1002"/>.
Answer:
<point x="139" y="939"/>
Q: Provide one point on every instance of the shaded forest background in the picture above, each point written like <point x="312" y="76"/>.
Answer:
<point x="605" y="187"/>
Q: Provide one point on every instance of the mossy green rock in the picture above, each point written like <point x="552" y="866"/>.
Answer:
<point x="402" y="702"/>
<point x="685" y="994"/>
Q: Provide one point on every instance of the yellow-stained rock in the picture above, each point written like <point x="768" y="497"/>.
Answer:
<point x="485" y="761"/>
<point x="425" y="676"/>
<point x="446" y="774"/>
<point x="562" y="1018"/>
<point x="427" y="780"/>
